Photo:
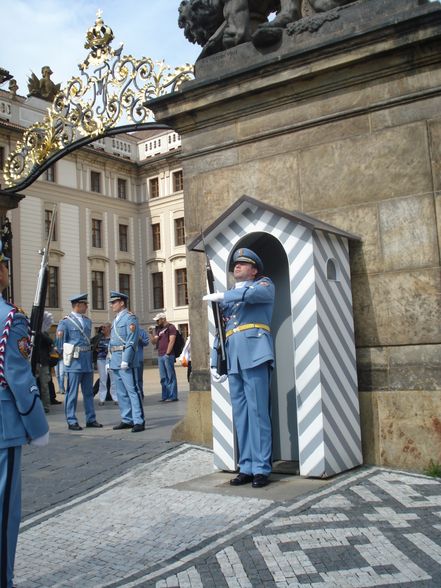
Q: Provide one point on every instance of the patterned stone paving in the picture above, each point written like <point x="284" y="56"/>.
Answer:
<point x="369" y="527"/>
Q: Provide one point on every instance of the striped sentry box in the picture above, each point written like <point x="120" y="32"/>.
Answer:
<point x="323" y="348"/>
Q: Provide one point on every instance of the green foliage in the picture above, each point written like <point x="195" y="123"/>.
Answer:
<point x="434" y="469"/>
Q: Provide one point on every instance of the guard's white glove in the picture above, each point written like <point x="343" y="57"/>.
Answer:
<point x="107" y="367"/>
<point x="40" y="441"/>
<point x="217" y="378"/>
<point x="124" y="365"/>
<point x="216" y="297"/>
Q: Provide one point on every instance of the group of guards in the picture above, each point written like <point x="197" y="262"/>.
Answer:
<point x="74" y="342"/>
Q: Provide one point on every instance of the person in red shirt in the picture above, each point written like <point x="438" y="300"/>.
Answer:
<point x="164" y="337"/>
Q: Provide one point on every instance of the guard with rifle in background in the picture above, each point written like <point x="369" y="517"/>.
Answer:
<point x="22" y="420"/>
<point x="246" y="312"/>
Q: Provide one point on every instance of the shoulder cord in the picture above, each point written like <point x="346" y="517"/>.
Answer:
<point x="4" y="340"/>
<point x="118" y="335"/>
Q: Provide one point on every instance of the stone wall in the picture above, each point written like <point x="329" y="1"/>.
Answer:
<point x="346" y="127"/>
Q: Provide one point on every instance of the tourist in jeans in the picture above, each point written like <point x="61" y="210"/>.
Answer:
<point x="164" y="337"/>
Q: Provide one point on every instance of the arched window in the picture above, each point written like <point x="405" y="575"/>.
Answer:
<point x="331" y="270"/>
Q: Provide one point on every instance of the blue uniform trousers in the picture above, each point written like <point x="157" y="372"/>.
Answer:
<point x="74" y="379"/>
<point x="10" y="511"/>
<point x="129" y="396"/>
<point x="249" y="392"/>
<point x="167" y="374"/>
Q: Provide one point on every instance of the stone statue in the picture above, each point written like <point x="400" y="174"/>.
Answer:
<point x="217" y="25"/>
<point x="13" y="88"/>
<point x="45" y="87"/>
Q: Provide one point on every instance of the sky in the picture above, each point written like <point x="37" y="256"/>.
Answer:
<point x="35" y="33"/>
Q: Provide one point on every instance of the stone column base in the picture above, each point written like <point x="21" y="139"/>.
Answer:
<point x="401" y="429"/>
<point x="196" y="426"/>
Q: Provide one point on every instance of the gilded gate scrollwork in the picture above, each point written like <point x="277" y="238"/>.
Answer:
<point x="111" y="89"/>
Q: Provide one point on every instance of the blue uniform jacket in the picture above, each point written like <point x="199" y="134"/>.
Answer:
<point x="125" y="333"/>
<point x="70" y="331"/>
<point x="22" y="416"/>
<point x="253" y="302"/>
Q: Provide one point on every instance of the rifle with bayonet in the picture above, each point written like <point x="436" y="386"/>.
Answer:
<point x="221" y="366"/>
<point x="40" y="295"/>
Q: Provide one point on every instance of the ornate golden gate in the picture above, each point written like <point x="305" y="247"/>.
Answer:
<point x="107" y="98"/>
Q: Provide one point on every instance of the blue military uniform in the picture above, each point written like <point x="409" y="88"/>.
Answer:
<point x="76" y="330"/>
<point x="143" y="341"/>
<point x="123" y="346"/>
<point x="22" y="419"/>
<point x="247" y="311"/>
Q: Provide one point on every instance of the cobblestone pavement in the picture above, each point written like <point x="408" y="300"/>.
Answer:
<point x="76" y="462"/>
<point x="154" y="525"/>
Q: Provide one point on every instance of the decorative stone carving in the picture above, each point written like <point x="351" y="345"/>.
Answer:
<point x="312" y="23"/>
<point x="217" y="25"/>
<point x="45" y="87"/>
<point x="13" y="88"/>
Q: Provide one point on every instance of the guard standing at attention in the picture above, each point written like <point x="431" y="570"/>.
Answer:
<point x="22" y="421"/>
<point x="73" y="341"/>
<point x="247" y="310"/>
<point x="123" y="346"/>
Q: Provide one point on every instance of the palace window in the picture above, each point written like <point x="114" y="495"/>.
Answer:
<point x="156" y="236"/>
<point x="158" y="290"/>
<point x="181" y="287"/>
<point x="178" y="181"/>
<point x="123" y="237"/>
<point x="95" y="181"/>
<point x="97" y="233"/>
<point x="154" y="187"/>
<point x="98" y="290"/>
<point x="122" y="189"/>
<point x="179" y="232"/>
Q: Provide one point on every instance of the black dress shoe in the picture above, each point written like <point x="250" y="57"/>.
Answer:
<point x="56" y="402"/>
<point x="94" y="425"/>
<point x="138" y="428"/>
<point x="75" y="427"/>
<point x="241" y="479"/>
<point x="260" y="481"/>
<point x="123" y="425"/>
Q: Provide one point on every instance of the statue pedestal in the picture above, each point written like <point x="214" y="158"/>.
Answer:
<point x="343" y="124"/>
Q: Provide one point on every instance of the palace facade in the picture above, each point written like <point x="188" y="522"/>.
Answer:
<point x="119" y="222"/>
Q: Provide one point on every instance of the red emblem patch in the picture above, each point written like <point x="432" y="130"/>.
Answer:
<point x="132" y="328"/>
